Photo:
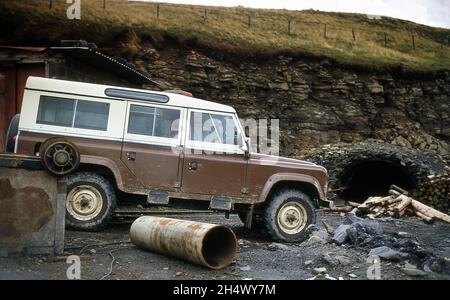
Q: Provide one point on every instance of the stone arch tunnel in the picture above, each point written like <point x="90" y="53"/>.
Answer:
<point x="358" y="171"/>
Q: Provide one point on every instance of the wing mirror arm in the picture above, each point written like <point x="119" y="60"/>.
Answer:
<point x="247" y="148"/>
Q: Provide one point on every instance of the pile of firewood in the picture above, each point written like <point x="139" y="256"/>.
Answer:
<point x="397" y="204"/>
<point x="435" y="191"/>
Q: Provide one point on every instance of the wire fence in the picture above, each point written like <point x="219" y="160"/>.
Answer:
<point x="296" y="26"/>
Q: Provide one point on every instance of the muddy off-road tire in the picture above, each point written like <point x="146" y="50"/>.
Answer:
<point x="13" y="129"/>
<point x="91" y="201"/>
<point x="288" y="214"/>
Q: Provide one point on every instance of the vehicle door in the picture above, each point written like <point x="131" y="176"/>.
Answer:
<point x="151" y="145"/>
<point x="214" y="162"/>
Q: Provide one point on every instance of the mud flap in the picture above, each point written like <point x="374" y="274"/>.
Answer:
<point x="158" y="197"/>
<point x="220" y="203"/>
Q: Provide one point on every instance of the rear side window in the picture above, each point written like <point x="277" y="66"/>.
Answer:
<point x="73" y="113"/>
<point x="56" y="111"/>
<point x="154" y="121"/>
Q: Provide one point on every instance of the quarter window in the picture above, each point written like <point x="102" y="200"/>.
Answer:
<point x="213" y="128"/>
<point x="154" y="121"/>
<point x="73" y="113"/>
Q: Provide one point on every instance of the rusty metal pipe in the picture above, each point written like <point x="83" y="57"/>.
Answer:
<point x="210" y="245"/>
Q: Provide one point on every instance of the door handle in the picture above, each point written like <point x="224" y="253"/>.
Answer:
<point x="193" y="165"/>
<point x="131" y="156"/>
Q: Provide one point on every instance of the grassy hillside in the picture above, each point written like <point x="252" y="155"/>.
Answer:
<point x="227" y="30"/>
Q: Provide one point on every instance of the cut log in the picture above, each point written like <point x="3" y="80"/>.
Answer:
<point x="380" y="212"/>
<point x="378" y="200"/>
<point x="340" y="209"/>
<point x="424" y="217"/>
<point x="399" y="189"/>
<point x="401" y="207"/>
<point x="354" y="204"/>
<point x="394" y="193"/>
<point x="429" y="211"/>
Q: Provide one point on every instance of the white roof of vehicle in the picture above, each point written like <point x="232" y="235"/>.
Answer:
<point x="98" y="90"/>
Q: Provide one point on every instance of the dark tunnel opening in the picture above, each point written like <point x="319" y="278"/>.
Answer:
<point x="373" y="178"/>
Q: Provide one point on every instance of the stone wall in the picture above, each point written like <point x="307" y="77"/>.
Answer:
<point x="317" y="103"/>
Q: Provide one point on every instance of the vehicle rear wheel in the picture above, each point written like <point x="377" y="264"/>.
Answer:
<point x="90" y="202"/>
<point x="59" y="156"/>
<point x="13" y="129"/>
<point x="288" y="214"/>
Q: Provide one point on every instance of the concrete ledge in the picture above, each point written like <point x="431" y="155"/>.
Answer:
<point x="32" y="212"/>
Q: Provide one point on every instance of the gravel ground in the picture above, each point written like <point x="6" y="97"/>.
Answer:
<point x="257" y="257"/>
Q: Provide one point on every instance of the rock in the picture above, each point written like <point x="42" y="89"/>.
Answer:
<point x="375" y="88"/>
<point x="277" y="246"/>
<point x="403" y="234"/>
<point x="179" y="273"/>
<point x="314" y="240"/>
<point x="321" y="234"/>
<point x="329" y="277"/>
<point x="311" y="228"/>
<point x="387" y="253"/>
<point x="320" y="270"/>
<point x="340" y="235"/>
<point x="308" y="263"/>
<point x="412" y="270"/>
<point x="92" y="251"/>
<point x="328" y="227"/>
<point x="335" y="260"/>
<point x="245" y="268"/>
<point x="351" y="275"/>
<point x="242" y="242"/>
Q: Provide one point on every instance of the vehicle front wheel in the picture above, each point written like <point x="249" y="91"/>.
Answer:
<point x="288" y="214"/>
<point x="90" y="202"/>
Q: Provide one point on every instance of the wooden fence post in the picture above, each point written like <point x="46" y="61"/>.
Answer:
<point x="325" y="31"/>
<point x="289" y="26"/>
<point x="413" y="42"/>
<point x="249" y="22"/>
<point x="50" y="4"/>
<point x="104" y="4"/>
<point x="385" y="39"/>
<point x="353" y="34"/>
<point x="205" y="16"/>
<point x="157" y="11"/>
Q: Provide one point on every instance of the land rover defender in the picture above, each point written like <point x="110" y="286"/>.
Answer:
<point x="165" y="145"/>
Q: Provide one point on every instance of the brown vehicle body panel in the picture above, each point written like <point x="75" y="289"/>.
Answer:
<point x="156" y="167"/>
<point x="243" y="180"/>
<point x="215" y="173"/>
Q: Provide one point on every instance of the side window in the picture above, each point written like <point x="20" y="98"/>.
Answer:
<point x="154" y="121"/>
<point x="73" y="113"/>
<point x="92" y="115"/>
<point x="213" y="128"/>
<point x="55" y="111"/>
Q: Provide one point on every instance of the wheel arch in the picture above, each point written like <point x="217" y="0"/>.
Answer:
<point x="304" y="183"/>
<point x="101" y="166"/>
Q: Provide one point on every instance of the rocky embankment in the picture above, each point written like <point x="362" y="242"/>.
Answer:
<point x="317" y="102"/>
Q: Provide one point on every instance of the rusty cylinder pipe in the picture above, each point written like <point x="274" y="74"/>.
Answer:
<point x="210" y="245"/>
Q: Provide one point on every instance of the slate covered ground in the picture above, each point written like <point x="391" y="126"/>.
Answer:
<point x="257" y="257"/>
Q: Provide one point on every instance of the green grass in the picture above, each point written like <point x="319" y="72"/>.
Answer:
<point x="130" y="25"/>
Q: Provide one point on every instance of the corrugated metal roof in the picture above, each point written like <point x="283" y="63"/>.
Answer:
<point x="105" y="62"/>
<point x="31" y="49"/>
